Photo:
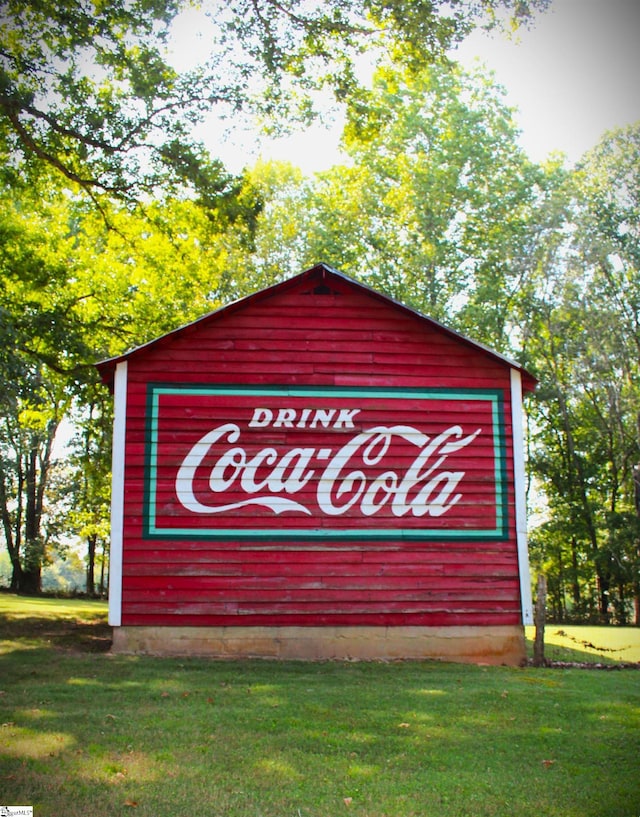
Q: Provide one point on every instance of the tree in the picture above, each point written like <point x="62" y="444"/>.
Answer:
<point x="608" y="239"/>
<point x="437" y="207"/>
<point x="89" y="89"/>
<point x="89" y="467"/>
<point x="582" y="332"/>
<point x="41" y="337"/>
<point x="584" y="442"/>
<point x="71" y="292"/>
<point x="26" y="441"/>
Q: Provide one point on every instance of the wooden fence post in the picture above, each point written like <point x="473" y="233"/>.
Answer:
<point x="539" y="618"/>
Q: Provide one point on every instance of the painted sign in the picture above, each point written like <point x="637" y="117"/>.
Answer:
<point x="335" y="464"/>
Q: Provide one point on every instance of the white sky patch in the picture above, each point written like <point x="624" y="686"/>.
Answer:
<point x="574" y="75"/>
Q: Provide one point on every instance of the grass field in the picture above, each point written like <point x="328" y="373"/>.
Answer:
<point x="91" y="734"/>
<point x="608" y="645"/>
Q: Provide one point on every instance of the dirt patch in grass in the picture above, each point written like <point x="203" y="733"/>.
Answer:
<point x="586" y="665"/>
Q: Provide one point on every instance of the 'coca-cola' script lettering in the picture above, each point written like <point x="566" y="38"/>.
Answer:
<point x="270" y="477"/>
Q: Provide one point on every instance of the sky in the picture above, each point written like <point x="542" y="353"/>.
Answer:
<point x="572" y="76"/>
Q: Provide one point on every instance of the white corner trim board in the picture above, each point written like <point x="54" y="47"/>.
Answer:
<point x="517" y="416"/>
<point x="117" y="493"/>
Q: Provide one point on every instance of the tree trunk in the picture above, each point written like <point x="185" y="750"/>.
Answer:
<point x="33" y="550"/>
<point x="31" y="581"/>
<point x="91" y="564"/>
<point x="103" y="563"/>
<point x="603" y="585"/>
<point x="13" y="545"/>
<point x="575" y="584"/>
<point x="622" y="604"/>
<point x="16" y="575"/>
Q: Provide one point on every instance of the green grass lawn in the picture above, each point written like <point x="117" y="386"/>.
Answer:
<point x="20" y="608"/>
<point x="608" y="645"/>
<point x="84" y="733"/>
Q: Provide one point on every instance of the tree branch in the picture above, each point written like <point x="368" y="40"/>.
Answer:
<point x="30" y="143"/>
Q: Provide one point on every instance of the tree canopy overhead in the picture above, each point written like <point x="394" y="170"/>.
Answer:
<point x="88" y="87"/>
<point x="85" y="87"/>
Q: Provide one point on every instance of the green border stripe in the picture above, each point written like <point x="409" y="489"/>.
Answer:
<point x="495" y="396"/>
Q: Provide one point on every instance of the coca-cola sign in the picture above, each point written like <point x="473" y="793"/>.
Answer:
<point x="329" y="463"/>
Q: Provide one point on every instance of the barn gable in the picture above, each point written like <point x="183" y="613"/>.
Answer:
<point x="311" y="464"/>
<point x="319" y="305"/>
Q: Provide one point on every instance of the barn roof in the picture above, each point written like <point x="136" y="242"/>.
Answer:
<point x="320" y="274"/>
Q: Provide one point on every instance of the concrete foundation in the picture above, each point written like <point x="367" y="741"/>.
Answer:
<point x="480" y="645"/>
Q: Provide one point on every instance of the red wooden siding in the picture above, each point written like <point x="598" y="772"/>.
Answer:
<point x="297" y="338"/>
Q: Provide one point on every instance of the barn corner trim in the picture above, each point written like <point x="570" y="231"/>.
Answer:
<point x="517" y="413"/>
<point x="117" y="494"/>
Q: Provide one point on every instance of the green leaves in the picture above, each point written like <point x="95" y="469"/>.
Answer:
<point x="437" y="206"/>
<point x="583" y="333"/>
<point x="87" y="87"/>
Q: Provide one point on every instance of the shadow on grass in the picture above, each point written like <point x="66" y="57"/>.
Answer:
<point x="73" y="635"/>
<point x="91" y="735"/>
<point x="85" y="733"/>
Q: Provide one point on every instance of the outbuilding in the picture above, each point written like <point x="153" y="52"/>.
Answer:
<point x="318" y="471"/>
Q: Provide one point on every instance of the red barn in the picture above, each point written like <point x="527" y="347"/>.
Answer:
<point x="317" y="471"/>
